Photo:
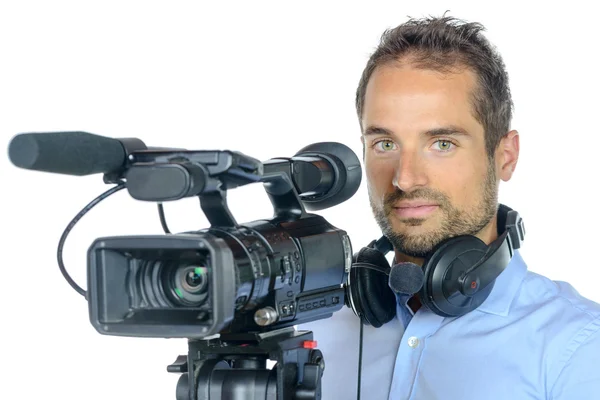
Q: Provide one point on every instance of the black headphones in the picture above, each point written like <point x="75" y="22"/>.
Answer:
<point x="458" y="274"/>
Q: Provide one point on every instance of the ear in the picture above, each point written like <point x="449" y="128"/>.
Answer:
<point x="362" y="141"/>
<point x="507" y="155"/>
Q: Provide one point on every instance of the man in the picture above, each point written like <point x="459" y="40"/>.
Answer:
<point x="434" y="107"/>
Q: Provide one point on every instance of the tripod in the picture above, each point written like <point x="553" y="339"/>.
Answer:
<point x="234" y="367"/>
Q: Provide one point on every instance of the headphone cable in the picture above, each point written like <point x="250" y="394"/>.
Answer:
<point x="360" y="350"/>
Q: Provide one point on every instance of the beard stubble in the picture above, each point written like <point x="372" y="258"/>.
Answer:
<point x="455" y="221"/>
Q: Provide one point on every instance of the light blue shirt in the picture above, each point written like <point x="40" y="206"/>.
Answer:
<point x="532" y="338"/>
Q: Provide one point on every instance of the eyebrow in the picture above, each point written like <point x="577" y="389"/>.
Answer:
<point x="449" y="130"/>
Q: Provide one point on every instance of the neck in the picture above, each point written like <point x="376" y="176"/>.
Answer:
<point x="400" y="257"/>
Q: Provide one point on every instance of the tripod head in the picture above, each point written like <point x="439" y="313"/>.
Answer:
<point x="234" y="367"/>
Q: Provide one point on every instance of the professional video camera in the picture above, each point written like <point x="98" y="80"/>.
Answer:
<point x="235" y="291"/>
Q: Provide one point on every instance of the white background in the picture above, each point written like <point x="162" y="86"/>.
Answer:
<point x="264" y="78"/>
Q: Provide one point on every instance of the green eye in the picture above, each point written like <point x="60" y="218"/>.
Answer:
<point x="444" y="145"/>
<point x="385" y="145"/>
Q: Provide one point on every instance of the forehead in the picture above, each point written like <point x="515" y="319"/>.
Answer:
<point x="404" y="98"/>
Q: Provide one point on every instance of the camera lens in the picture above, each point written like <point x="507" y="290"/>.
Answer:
<point x="190" y="284"/>
<point x="169" y="283"/>
<point x="194" y="279"/>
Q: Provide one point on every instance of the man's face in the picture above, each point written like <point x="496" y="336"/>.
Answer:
<point x="428" y="174"/>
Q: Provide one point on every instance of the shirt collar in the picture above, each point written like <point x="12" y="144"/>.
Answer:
<point x="505" y="288"/>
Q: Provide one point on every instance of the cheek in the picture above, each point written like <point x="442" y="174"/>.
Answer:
<point x="460" y="181"/>
<point x="379" y="178"/>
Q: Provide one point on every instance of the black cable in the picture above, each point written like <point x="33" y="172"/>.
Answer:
<point x="373" y="267"/>
<point x="163" y="221"/>
<point x="360" y="351"/>
<point x="68" y="229"/>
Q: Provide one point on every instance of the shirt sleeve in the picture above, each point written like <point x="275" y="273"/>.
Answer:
<point x="580" y="375"/>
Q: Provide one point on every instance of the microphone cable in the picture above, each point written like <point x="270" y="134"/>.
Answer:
<point x="61" y="242"/>
<point x="360" y="351"/>
<point x="71" y="225"/>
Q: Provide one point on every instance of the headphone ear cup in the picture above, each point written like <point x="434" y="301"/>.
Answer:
<point x="442" y="270"/>
<point x="372" y="297"/>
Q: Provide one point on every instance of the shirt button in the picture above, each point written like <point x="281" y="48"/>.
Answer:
<point x="413" y="341"/>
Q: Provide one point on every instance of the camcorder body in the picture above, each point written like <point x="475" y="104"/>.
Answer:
<point x="235" y="291"/>
<point x="259" y="276"/>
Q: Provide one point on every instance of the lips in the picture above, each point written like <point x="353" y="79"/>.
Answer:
<point x="414" y="209"/>
<point x="414" y="203"/>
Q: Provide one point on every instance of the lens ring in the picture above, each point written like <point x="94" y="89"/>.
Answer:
<point x="148" y="284"/>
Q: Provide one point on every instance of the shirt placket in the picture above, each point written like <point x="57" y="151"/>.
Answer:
<point x="411" y="349"/>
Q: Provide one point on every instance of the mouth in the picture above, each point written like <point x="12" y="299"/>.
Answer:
<point x="415" y="209"/>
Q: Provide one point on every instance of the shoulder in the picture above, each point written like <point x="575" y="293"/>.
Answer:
<point x="569" y="326"/>
<point x="545" y="298"/>
<point x="540" y="289"/>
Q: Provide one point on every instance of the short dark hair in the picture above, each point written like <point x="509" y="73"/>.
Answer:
<point x="448" y="44"/>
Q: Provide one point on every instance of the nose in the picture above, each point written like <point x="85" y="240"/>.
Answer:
<point x="410" y="172"/>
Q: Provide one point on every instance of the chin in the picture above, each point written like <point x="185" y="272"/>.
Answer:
<point x="414" y="228"/>
<point x="409" y="225"/>
<point x="412" y="232"/>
